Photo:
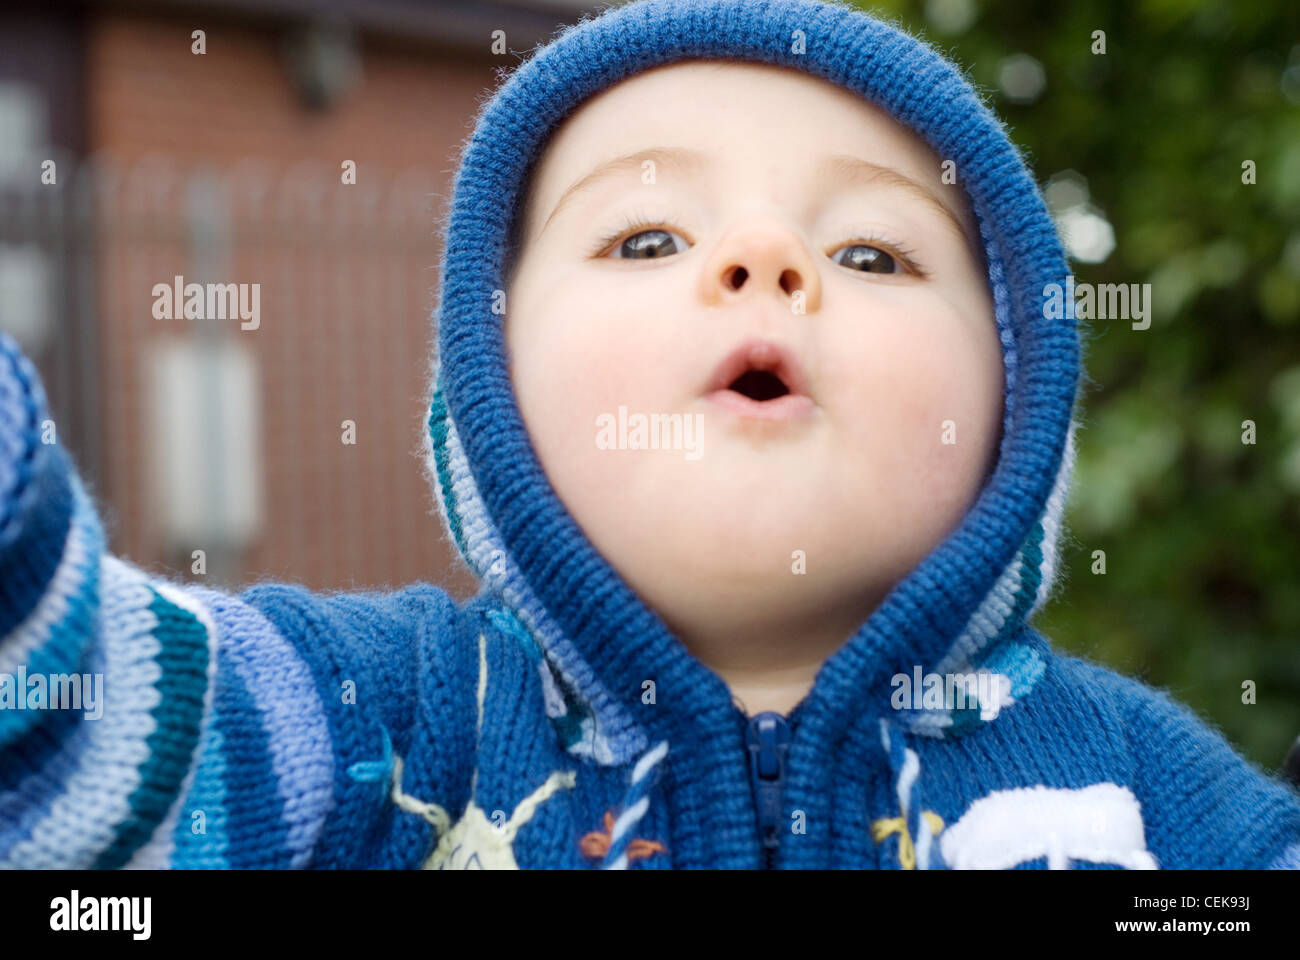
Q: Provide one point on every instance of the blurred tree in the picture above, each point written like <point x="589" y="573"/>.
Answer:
<point x="1142" y="148"/>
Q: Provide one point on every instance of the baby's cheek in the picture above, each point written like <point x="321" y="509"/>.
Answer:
<point x="958" y="419"/>
<point x="930" y="399"/>
<point x="573" y="370"/>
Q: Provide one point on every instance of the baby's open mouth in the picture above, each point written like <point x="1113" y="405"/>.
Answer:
<point x="761" y="380"/>
<point x="760" y="385"/>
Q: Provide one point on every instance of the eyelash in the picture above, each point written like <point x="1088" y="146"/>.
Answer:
<point x="895" y="248"/>
<point x="638" y="222"/>
<point x="634" y="223"/>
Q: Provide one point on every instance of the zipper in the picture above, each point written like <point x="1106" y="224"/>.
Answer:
<point x="767" y="738"/>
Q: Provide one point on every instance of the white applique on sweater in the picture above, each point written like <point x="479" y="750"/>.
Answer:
<point x="1101" y="824"/>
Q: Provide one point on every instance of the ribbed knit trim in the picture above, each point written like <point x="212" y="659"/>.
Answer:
<point x="598" y="726"/>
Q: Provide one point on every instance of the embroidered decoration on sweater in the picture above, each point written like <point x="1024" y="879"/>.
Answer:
<point x="598" y="842"/>
<point x="617" y="850"/>
<point x="915" y="822"/>
<point x="474" y="842"/>
<point x="1100" y="824"/>
<point x="888" y="826"/>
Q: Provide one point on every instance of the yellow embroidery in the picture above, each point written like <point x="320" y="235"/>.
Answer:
<point x="891" y="825"/>
<point x="474" y="842"/>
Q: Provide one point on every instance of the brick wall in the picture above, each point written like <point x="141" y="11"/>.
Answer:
<point x="346" y="294"/>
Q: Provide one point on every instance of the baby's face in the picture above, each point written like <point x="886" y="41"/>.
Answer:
<point x="784" y="226"/>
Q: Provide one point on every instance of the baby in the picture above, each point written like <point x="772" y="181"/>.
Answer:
<point x="747" y="414"/>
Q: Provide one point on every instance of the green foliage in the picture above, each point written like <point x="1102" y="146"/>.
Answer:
<point x="1201" y="532"/>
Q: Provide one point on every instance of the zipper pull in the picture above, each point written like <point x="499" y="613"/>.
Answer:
<point x="768" y="738"/>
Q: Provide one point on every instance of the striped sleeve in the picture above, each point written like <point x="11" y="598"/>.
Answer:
<point x="147" y="723"/>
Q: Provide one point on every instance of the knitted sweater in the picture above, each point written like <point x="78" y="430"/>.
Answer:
<point x="276" y="727"/>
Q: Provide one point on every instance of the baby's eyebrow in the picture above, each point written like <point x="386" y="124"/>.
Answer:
<point x="682" y="159"/>
<point x="840" y="169"/>
<point x="854" y="171"/>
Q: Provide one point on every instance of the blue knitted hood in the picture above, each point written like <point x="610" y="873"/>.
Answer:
<point x="961" y="609"/>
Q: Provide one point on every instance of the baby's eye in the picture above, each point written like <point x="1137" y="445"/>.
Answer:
<point x="650" y="244"/>
<point x="868" y="259"/>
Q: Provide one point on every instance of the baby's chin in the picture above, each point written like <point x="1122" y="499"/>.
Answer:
<point x="772" y="555"/>
<point x="769" y="525"/>
<point x="731" y="594"/>
<point x="761" y="508"/>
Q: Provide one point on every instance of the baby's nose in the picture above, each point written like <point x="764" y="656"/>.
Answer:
<point x="762" y="258"/>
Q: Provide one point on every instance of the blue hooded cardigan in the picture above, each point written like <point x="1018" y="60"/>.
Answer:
<point x="281" y="728"/>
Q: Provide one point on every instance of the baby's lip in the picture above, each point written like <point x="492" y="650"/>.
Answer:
<point x="760" y="355"/>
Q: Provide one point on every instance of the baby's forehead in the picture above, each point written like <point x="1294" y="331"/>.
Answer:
<point x="735" y="125"/>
